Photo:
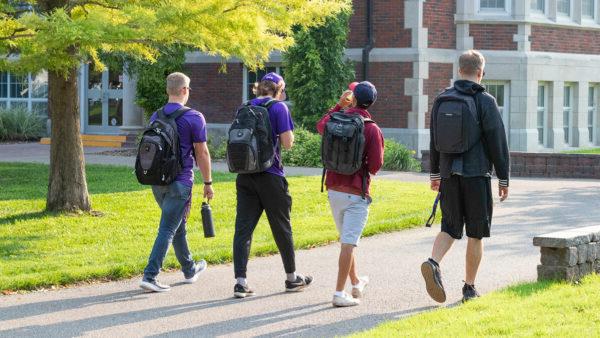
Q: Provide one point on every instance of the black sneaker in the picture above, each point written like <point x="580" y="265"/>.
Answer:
<point x="469" y="292"/>
<point x="433" y="280"/>
<point x="299" y="284"/>
<point x="240" y="291"/>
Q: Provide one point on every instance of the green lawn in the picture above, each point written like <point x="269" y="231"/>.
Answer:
<point x="39" y="249"/>
<point x="584" y="151"/>
<point x="529" y="310"/>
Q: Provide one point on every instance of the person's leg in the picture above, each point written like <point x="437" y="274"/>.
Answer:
<point x="451" y="205"/>
<point x="248" y="213"/>
<point x="442" y="244"/>
<point x="474" y="254"/>
<point x="276" y="199"/>
<point x="479" y="208"/>
<point x="182" y="251"/>
<point x="353" y="274"/>
<point x="172" y="204"/>
<point x="344" y="264"/>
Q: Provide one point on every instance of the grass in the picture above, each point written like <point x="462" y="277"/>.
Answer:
<point x="584" y="151"/>
<point x="40" y="249"/>
<point x="527" y="310"/>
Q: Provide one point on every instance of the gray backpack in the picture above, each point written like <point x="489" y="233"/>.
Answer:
<point x="343" y="145"/>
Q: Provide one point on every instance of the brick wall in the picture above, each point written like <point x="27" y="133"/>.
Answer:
<point x="560" y="40"/>
<point x="546" y="165"/>
<point x="388" y="25"/>
<point x="438" y="18"/>
<point x="493" y="37"/>
<point x="217" y="95"/>
<point x="440" y="75"/>
<point x="392" y="106"/>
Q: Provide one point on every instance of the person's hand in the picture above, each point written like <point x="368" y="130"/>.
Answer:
<point x="503" y="193"/>
<point x="208" y="192"/>
<point x="345" y="99"/>
<point x="435" y="185"/>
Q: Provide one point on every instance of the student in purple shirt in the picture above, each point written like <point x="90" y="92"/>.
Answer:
<point x="175" y="199"/>
<point x="267" y="191"/>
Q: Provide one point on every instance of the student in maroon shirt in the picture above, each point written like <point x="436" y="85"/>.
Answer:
<point x="345" y="192"/>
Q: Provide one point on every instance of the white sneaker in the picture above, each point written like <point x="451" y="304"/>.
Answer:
<point x="344" y="301"/>
<point x="200" y="267"/>
<point x="358" y="290"/>
<point x="154" y="286"/>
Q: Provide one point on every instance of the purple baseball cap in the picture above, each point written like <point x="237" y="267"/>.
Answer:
<point x="273" y="77"/>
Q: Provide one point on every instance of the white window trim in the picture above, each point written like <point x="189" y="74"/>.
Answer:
<point x="562" y="15"/>
<point x="489" y="11"/>
<point x="506" y="106"/>
<point x="537" y="12"/>
<point x="29" y="100"/>
<point x="590" y="19"/>
<point x="545" y="113"/>
<point x="593" y="106"/>
<point x="568" y="109"/>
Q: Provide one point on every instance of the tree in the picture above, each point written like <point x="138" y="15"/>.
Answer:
<point x="59" y="35"/>
<point x="316" y="68"/>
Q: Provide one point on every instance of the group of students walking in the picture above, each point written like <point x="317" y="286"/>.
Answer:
<point x="352" y="151"/>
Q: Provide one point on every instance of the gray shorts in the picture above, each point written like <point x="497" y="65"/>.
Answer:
<point x="350" y="213"/>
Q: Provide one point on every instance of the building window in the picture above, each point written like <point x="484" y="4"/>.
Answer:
<point x="587" y="8"/>
<point x="492" y="4"/>
<point x="541" y="114"/>
<point x="591" y="112"/>
<point x="538" y="5"/>
<point x="24" y="91"/>
<point x="567" y="112"/>
<point x="253" y="77"/>
<point x="499" y="90"/>
<point x="563" y="7"/>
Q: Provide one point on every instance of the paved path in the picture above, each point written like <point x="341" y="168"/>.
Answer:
<point x="392" y="261"/>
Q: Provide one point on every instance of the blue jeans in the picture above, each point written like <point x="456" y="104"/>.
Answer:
<point x="173" y="200"/>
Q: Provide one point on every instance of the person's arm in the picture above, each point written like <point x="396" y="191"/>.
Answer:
<point x="342" y="104"/>
<point x="202" y="154"/>
<point x="375" y="149"/>
<point x="496" y="144"/>
<point x="287" y="139"/>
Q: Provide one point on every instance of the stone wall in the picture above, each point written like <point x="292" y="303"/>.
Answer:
<point x="570" y="254"/>
<point x="546" y="165"/>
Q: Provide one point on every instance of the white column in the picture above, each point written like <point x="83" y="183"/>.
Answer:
<point x="523" y="116"/>
<point x="580" y="115"/>
<point x="556" y="134"/>
<point x="133" y="117"/>
<point x="522" y="37"/>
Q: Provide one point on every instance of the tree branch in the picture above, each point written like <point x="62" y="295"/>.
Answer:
<point x="83" y="3"/>
<point x="14" y="34"/>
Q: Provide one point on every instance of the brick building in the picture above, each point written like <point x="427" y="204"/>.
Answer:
<point x="543" y="66"/>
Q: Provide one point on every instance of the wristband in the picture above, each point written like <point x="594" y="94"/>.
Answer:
<point x="208" y="183"/>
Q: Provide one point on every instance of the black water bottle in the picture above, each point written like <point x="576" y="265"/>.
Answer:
<point x="207" y="220"/>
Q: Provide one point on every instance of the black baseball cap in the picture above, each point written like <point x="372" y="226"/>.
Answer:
<point x="365" y="94"/>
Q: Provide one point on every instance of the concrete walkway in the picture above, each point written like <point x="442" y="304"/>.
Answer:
<point x="392" y="261"/>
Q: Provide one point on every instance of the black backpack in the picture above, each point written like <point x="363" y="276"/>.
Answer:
<point x="455" y="122"/>
<point x="250" y="141"/>
<point x="343" y="145"/>
<point x="158" y="160"/>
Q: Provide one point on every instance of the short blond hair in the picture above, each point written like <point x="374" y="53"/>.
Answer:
<point x="175" y="82"/>
<point x="470" y="62"/>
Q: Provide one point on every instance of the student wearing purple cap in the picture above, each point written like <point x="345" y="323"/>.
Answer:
<point x="267" y="191"/>
<point x="175" y="199"/>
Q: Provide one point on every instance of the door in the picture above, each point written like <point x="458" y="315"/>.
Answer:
<point x="104" y="108"/>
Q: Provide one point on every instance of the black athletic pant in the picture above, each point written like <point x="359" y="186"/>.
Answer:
<point x="255" y="193"/>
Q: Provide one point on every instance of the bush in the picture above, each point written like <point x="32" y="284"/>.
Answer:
<point x="217" y="149"/>
<point x="306" y="151"/>
<point x="19" y="124"/>
<point x="397" y="157"/>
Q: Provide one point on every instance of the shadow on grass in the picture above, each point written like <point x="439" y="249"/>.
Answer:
<point x="26" y="216"/>
<point x="24" y="181"/>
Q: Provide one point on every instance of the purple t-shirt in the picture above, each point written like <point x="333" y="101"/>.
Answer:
<point x="281" y="121"/>
<point x="192" y="129"/>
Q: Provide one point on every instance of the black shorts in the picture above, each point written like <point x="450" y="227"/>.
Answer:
<point x="466" y="201"/>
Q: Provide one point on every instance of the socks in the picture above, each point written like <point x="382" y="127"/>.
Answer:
<point x="242" y="281"/>
<point x="291" y="277"/>
<point x="339" y="293"/>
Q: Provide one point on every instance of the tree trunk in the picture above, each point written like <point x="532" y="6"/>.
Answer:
<point x="67" y="188"/>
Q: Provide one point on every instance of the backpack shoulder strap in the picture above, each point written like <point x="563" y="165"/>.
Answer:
<point x="179" y="112"/>
<point x="269" y="103"/>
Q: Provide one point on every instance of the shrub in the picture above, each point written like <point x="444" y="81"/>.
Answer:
<point x="217" y="149"/>
<point x="19" y="124"/>
<point x="397" y="157"/>
<point x="306" y="151"/>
